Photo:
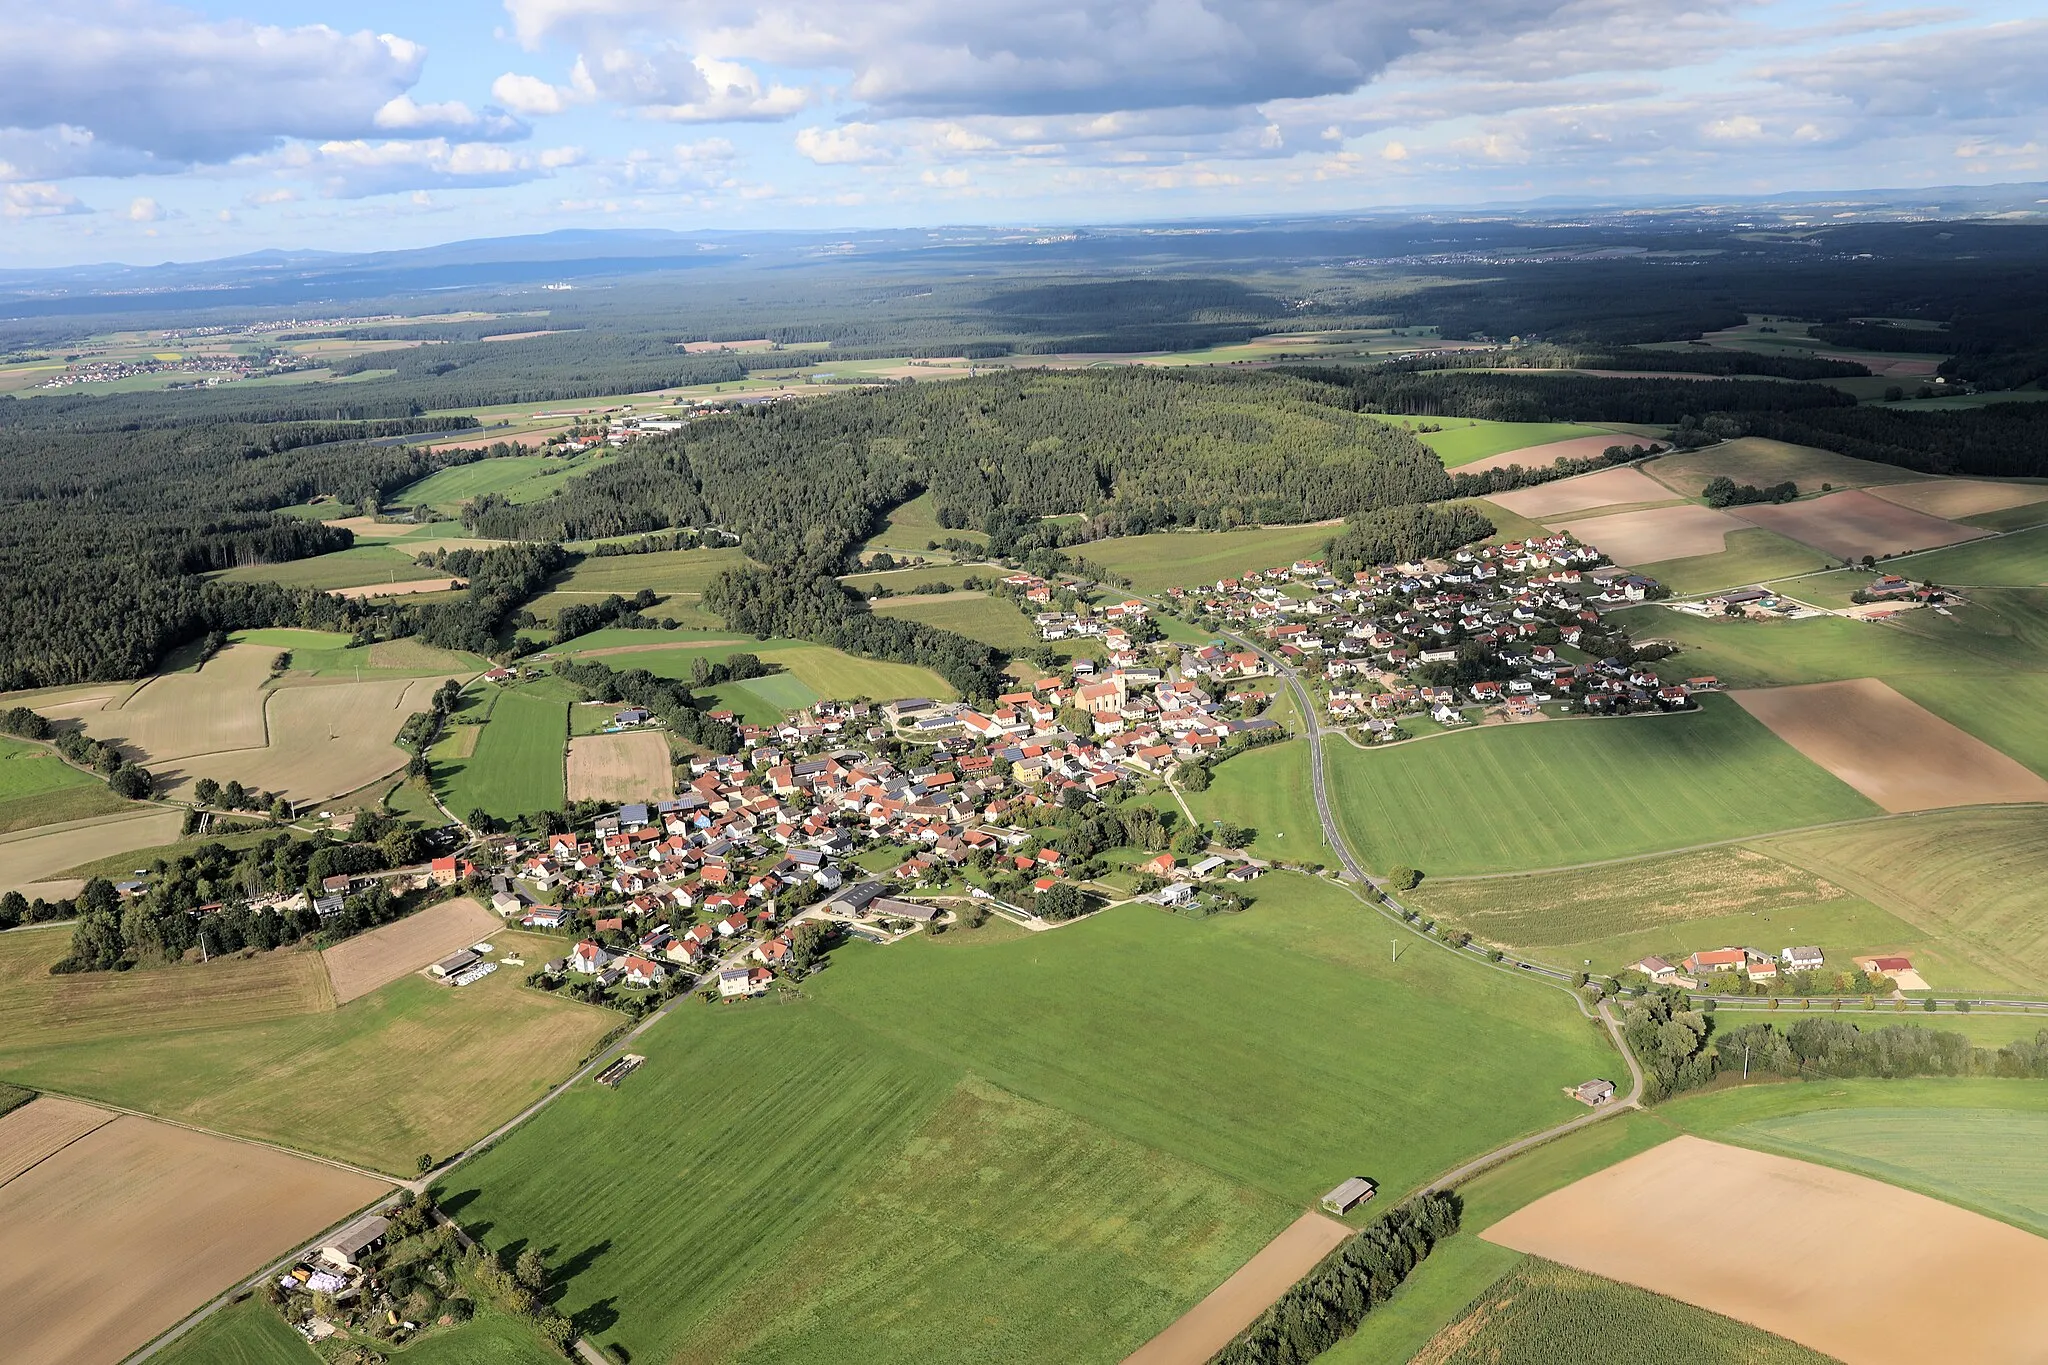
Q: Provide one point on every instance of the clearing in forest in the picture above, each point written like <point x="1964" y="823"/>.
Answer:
<point x="380" y="956"/>
<point x="626" y="767"/>
<point x="115" y="1237"/>
<point x="1937" y="1283"/>
<point x="1897" y="753"/>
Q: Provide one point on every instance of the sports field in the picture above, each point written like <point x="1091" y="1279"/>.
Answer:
<point x="1551" y="793"/>
<point x="1942" y="1283"/>
<point x="1267" y="790"/>
<point x="114" y="1237"/>
<point x="516" y="766"/>
<point x="255" y="1048"/>
<point x="1548" y="1314"/>
<point x="1020" y="1165"/>
<point x="975" y="615"/>
<point x="1184" y="559"/>
<point x="1464" y="439"/>
<point x="625" y="767"/>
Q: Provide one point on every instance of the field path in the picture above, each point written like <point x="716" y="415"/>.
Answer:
<point x="1232" y="1306"/>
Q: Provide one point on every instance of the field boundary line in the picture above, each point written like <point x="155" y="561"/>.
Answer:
<point x="66" y="1143"/>
<point x="121" y="1111"/>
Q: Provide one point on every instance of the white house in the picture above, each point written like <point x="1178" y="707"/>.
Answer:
<point x="589" y="957"/>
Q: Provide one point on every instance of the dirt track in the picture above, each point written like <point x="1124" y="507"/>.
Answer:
<point x="1207" y="1328"/>
<point x="1890" y="748"/>
<point x="1863" y="1271"/>
<point x="627" y="767"/>
<point x="361" y="964"/>
<point x="119" y="1234"/>
<point x="1604" y="488"/>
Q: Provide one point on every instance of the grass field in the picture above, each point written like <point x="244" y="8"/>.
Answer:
<point x="1267" y="790"/>
<point x="976" y="615"/>
<point x="1020" y="1165"/>
<point x="246" y="1333"/>
<point x="256" y="1049"/>
<point x="668" y="572"/>
<point x="785" y="693"/>
<point x="1760" y="461"/>
<point x="1465" y="439"/>
<point x="902" y="580"/>
<point x="1753" y="555"/>
<point x="1967" y="878"/>
<point x="1548" y="1314"/>
<point x="1783" y="653"/>
<point x="2019" y="560"/>
<point x="517" y="763"/>
<point x="914" y="525"/>
<point x="516" y="478"/>
<point x="1170" y="559"/>
<point x="39" y="788"/>
<point x="350" y="568"/>
<point x="1549" y="794"/>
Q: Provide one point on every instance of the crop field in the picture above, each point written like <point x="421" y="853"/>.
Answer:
<point x="2018" y="560"/>
<point x="1603" y="488"/>
<point x="517" y="764"/>
<point x="1000" y="1160"/>
<point x="1183" y="559"/>
<point x="1900" y="755"/>
<point x="1968" y="878"/>
<point x="377" y="957"/>
<point x="1633" y="538"/>
<point x="350" y="568"/>
<point x="1608" y="789"/>
<point x="975" y="615"/>
<point x="1543" y="456"/>
<point x="1750" y="555"/>
<point x="257" y="1049"/>
<point x="1941" y="1283"/>
<point x="1853" y="523"/>
<point x="215" y="708"/>
<point x="1982" y="1159"/>
<point x="246" y="1333"/>
<point x="1762" y="462"/>
<point x="516" y="478"/>
<point x="1547" y="1314"/>
<point x="49" y="1125"/>
<point x="624" y="767"/>
<point x="115" y="1237"/>
<point x="31" y="858"/>
<point x="1267" y="790"/>
<point x="1955" y="498"/>
<point x="1464" y="439"/>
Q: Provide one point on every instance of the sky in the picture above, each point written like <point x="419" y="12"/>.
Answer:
<point x="138" y="131"/>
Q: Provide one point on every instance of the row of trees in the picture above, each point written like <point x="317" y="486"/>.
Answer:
<point x="127" y="779"/>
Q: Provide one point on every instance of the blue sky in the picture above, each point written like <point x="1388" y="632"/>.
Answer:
<point x="146" y="131"/>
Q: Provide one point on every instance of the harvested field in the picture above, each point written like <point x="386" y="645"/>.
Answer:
<point x="43" y="1128"/>
<point x="1854" y="523"/>
<point x="29" y="856"/>
<point x="1632" y="538"/>
<point x="1885" y="368"/>
<point x="1760" y="461"/>
<point x="1208" y="1327"/>
<point x="1962" y="497"/>
<point x="1605" y="488"/>
<point x="1894" y="751"/>
<point x="1940" y="1283"/>
<point x="406" y="589"/>
<point x="359" y="965"/>
<point x="215" y="708"/>
<point x="628" y="767"/>
<point x="122" y="1233"/>
<point x="1543" y="456"/>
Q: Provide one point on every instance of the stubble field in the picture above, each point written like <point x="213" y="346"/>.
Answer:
<point x="376" y="958"/>
<point x="624" y="767"/>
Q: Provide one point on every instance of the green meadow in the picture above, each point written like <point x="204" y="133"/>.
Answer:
<point x="1462" y="440"/>
<point x="1184" y="559"/>
<point x="516" y="478"/>
<point x="973" y="1147"/>
<point x="978" y="616"/>
<point x="39" y="788"/>
<point x="1267" y="790"/>
<point x="1752" y="555"/>
<point x="1553" y="793"/>
<point x="516" y="764"/>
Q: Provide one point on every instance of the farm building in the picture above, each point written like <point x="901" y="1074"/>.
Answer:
<point x="1803" y="959"/>
<point x="1656" y="968"/>
<point x="344" y="1248"/>
<point x="1594" y="1092"/>
<point x="910" y="910"/>
<point x="1348" y="1195"/>
<point x="454" y="964"/>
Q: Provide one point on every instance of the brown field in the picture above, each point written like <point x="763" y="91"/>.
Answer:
<point x="1962" y="497"/>
<point x="1543" y="456"/>
<point x="359" y="965"/>
<point x="629" y="767"/>
<point x="537" y="437"/>
<point x="1860" y="1270"/>
<point x="1661" y="533"/>
<point x="1890" y="369"/>
<point x="405" y="589"/>
<point x="41" y="1128"/>
<point x="112" y="1240"/>
<point x="1605" y="488"/>
<point x="217" y="707"/>
<point x="1894" y="751"/>
<point x="1852" y="524"/>
<point x="1207" y="1328"/>
<point x="369" y="528"/>
<point x="38" y="1009"/>
<point x="1761" y="461"/>
<point x="714" y="347"/>
<point x="326" y="737"/>
<point x="28" y="857"/>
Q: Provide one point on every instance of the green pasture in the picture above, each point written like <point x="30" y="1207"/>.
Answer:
<point x="902" y="580"/>
<point x="245" y="1333"/>
<point x="1465" y="439"/>
<point x="2010" y="518"/>
<point x="784" y="692"/>
<point x="2002" y="709"/>
<point x="351" y="568"/>
<point x="1553" y="793"/>
<point x="1267" y="790"/>
<point x="516" y="478"/>
<point x="826" y="672"/>
<point x="1743" y="653"/>
<point x="1750" y="555"/>
<point x="516" y="766"/>
<point x="328" y="654"/>
<point x="39" y="788"/>
<point x="1169" y="559"/>
<point x="991" y="620"/>
<point x="617" y="637"/>
<point x="976" y="1151"/>
<point x="2017" y="560"/>
<point x="907" y="529"/>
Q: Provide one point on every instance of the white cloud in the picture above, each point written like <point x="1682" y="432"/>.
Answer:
<point x="532" y="96"/>
<point x="851" y="144"/>
<point x="358" y="168"/>
<point x="144" y="210"/>
<point x="1991" y="71"/>
<point x="402" y="114"/>
<point x="263" y="198"/>
<point x="38" y="201"/>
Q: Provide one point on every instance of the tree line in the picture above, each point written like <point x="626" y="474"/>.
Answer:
<point x="2002" y="440"/>
<point x="1549" y="397"/>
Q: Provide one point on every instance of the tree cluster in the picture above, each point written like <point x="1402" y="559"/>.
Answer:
<point x="1722" y="491"/>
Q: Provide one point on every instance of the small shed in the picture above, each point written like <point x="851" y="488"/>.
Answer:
<point x="455" y="962"/>
<point x="1348" y="1195"/>
<point x="1595" y="1092"/>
